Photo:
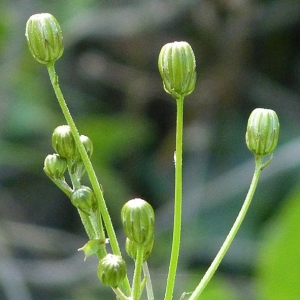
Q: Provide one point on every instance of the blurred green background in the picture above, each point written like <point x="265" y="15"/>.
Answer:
<point x="248" y="56"/>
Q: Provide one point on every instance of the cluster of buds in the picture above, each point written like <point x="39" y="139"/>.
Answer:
<point x="64" y="144"/>
<point x="67" y="157"/>
<point x="177" y="67"/>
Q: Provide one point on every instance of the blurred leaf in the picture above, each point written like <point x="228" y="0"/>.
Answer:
<point x="279" y="260"/>
<point x="116" y="136"/>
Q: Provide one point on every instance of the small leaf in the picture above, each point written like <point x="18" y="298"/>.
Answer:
<point x="91" y="247"/>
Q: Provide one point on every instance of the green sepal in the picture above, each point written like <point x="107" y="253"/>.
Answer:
<point x="92" y="247"/>
<point x="131" y="248"/>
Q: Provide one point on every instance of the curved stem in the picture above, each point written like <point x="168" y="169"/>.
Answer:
<point x="89" y="168"/>
<point x="120" y="295"/>
<point x="259" y="165"/>
<point x="178" y="202"/>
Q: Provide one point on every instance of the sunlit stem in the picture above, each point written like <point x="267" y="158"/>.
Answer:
<point x="136" y="284"/>
<point x="178" y="202"/>
<point x="259" y="165"/>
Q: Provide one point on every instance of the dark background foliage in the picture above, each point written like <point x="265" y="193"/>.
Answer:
<point x="248" y="56"/>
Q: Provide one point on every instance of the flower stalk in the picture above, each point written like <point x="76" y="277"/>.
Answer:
<point x="89" y="168"/>
<point x="178" y="202"/>
<point x="259" y="165"/>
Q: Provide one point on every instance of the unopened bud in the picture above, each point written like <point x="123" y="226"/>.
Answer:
<point x="177" y="64"/>
<point x="112" y="270"/>
<point x="44" y="38"/>
<point x="55" y="166"/>
<point x="84" y="199"/>
<point x="63" y="141"/>
<point x="262" y="131"/>
<point x="138" y="221"/>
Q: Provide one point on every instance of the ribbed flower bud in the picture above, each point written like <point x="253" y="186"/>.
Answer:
<point x="138" y="221"/>
<point x="131" y="248"/>
<point x="55" y="166"/>
<point x="262" y="131"/>
<point x="84" y="199"/>
<point x="63" y="141"/>
<point x="112" y="270"/>
<point x="88" y="145"/>
<point x="44" y="38"/>
<point x="177" y="64"/>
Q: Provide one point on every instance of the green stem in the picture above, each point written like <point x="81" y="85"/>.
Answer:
<point x="149" y="288"/>
<point x="178" y="202"/>
<point x="85" y="220"/>
<point x="120" y="295"/>
<point x="216" y="262"/>
<point x="136" y="284"/>
<point x="87" y="225"/>
<point x="89" y="168"/>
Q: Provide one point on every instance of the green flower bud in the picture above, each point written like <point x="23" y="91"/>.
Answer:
<point x="112" y="270"/>
<point x="88" y="145"/>
<point x="44" y="38"/>
<point x="131" y="248"/>
<point x="63" y="141"/>
<point x="262" y="131"/>
<point x="177" y="64"/>
<point x="138" y="221"/>
<point x="84" y="199"/>
<point x="55" y="166"/>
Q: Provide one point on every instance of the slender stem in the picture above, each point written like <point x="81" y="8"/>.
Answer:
<point x="85" y="220"/>
<point x="178" y="202"/>
<point x="89" y="168"/>
<point x="216" y="262"/>
<point x="149" y="288"/>
<point x="93" y="222"/>
<point x="136" y="284"/>
<point x="120" y="295"/>
<point x="87" y="224"/>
